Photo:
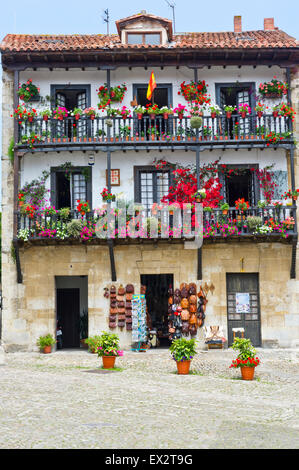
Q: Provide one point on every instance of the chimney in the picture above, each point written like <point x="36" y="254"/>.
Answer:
<point x="238" y="24"/>
<point x="269" y="24"/>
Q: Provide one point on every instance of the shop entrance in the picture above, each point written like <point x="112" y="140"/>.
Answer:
<point x="157" y="286"/>
<point x="243" y="306"/>
<point x="71" y="310"/>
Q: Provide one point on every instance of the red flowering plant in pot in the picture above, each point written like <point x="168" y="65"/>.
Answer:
<point x="83" y="207"/>
<point x="113" y="95"/>
<point x="28" y="91"/>
<point x="180" y="110"/>
<point x="193" y="90"/>
<point x="246" y="359"/>
<point x="244" y="109"/>
<point x="273" y="89"/>
<point x="242" y="205"/>
<point x="108" y="349"/>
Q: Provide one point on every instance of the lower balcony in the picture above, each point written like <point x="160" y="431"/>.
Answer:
<point x="72" y="133"/>
<point x="267" y="224"/>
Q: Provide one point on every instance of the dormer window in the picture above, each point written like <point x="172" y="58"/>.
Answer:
<point x="144" y="38"/>
<point x="145" y="29"/>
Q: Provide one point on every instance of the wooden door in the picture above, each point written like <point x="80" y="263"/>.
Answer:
<point x="68" y="314"/>
<point x="249" y="319"/>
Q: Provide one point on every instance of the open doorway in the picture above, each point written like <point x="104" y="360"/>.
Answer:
<point x="72" y="310"/>
<point x="157" y="286"/>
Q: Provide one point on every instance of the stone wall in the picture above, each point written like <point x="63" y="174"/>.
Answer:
<point x="36" y="311"/>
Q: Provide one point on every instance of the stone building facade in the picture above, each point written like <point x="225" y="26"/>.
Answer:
<point x="33" y="272"/>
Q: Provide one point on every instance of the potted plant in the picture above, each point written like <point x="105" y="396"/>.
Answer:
<point x="125" y="112"/>
<point x="153" y="110"/>
<point x="196" y="122"/>
<point x="261" y="204"/>
<point x="259" y="109"/>
<point x="83" y="207"/>
<point x="153" y="133"/>
<point x="165" y="111"/>
<point x="108" y="349"/>
<point x="106" y="196"/>
<point x="229" y="110"/>
<point x="244" y="109"/>
<point x="92" y="342"/>
<point x="77" y="112"/>
<point x="253" y="222"/>
<point x="112" y="112"/>
<point x="28" y="91"/>
<point x="180" y="110"/>
<point x="46" y="114"/>
<point x="45" y="343"/>
<point x="273" y="89"/>
<point x="224" y="207"/>
<point x="60" y="113"/>
<point x="200" y="195"/>
<point x="286" y="111"/>
<point x="241" y="204"/>
<point x="183" y="350"/>
<point x="246" y="359"/>
<point x="292" y="194"/>
<point x="214" y="110"/>
<point x="140" y="111"/>
<point x="196" y="109"/>
<point x="90" y="112"/>
<point x="114" y="94"/>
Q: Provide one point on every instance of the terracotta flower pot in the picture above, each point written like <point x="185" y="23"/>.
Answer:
<point x="295" y="198"/>
<point x="213" y="115"/>
<point x="30" y="119"/>
<point x="247" y="373"/>
<point x="165" y="115"/>
<point x="77" y="117"/>
<point x="47" y="349"/>
<point x="108" y="362"/>
<point x="45" y="117"/>
<point x="225" y="211"/>
<point x="92" y="116"/>
<point x="139" y="115"/>
<point x="260" y="114"/>
<point x="228" y="114"/>
<point x="275" y="113"/>
<point x="180" y="116"/>
<point x="243" y="114"/>
<point x="183" y="367"/>
<point x="152" y="116"/>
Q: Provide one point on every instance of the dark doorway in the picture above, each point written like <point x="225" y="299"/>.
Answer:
<point x="249" y="318"/>
<point x="157" y="286"/>
<point x="68" y="316"/>
<point x="239" y="186"/>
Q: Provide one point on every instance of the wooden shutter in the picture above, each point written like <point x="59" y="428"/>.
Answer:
<point x="243" y="98"/>
<point x="82" y="103"/>
<point x="60" y="125"/>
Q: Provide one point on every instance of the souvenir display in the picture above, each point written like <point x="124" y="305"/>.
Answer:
<point x="139" y="329"/>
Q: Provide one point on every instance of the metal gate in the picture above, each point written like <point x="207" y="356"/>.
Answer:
<point x="249" y="318"/>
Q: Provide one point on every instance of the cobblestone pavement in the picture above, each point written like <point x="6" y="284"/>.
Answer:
<point x="63" y="400"/>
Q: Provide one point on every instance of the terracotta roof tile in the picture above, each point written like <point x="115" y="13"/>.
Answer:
<point x="221" y="40"/>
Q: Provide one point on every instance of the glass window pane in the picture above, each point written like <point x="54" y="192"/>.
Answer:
<point x="134" y="38"/>
<point x="152" y="39"/>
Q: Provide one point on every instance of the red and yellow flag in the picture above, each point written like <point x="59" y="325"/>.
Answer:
<point x="151" y="86"/>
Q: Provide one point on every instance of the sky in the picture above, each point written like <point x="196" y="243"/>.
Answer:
<point x="77" y="17"/>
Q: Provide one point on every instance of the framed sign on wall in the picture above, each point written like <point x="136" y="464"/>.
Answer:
<point x="114" y="177"/>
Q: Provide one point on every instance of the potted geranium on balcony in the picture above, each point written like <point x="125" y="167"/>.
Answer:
<point x="242" y="205"/>
<point x="60" y="113"/>
<point x="46" y="114"/>
<point x="140" y="111"/>
<point x="183" y="351"/>
<point x="165" y="111"/>
<point x="108" y="349"/>
<point x="180" y="110"/>
<point x="28" y="91"/>
<point x="214" y="110"/>
<point x="90" y="112"/>
<point x="291" y="194"/>
<point x="77" y="112"/>
<point x="83" y="207"/>
<point x="246" y="359"/>
<point x="229" y="110"/>
<point x="273" y="89"/>
<point x="153" y="110"/>
<point x="244" y="109"/>
<point x="259" y="109"/>
<point x="125" y="112"/>
<point x="106" y="196"/>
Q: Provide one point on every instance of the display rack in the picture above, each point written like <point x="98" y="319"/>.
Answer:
<point x="139" y="329"/>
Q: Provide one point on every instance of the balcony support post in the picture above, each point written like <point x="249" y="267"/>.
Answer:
<point x="18" y="262"/>
<point x="16" y="162"/>
<point x="199" y="250"/>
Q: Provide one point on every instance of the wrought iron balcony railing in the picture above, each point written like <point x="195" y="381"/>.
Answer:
<point x="257" y="223"/>
<point x="267" y="129"/>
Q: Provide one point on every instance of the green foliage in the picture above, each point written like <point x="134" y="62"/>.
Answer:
<point x="108" y="344"/>
<point x="224" y="207"/>
<point x="47" y="340"/>
<point x="92" y="343"/>
<point x="64" y="213"/>
<point x="183" y="349"/>
<point x="253" y="222"/>
<point x="10" y="152"/>
<point x="245" y="348"/>
<point x="74" y="228"/>
<point x="195" y="122"/>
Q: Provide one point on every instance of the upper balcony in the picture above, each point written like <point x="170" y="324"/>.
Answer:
<point x="99" y="133"/>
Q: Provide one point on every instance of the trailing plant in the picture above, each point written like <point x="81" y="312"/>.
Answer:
<point x="74" y="228"/>
<point x="114" y="94"/>
<point x="28" y="91"/>
<point x="35" y="191"/>
<point x="274" y="86"/>
<point x="253" y="222"/>
<point x="10" y="152"/>
<point x="194" y="91"/>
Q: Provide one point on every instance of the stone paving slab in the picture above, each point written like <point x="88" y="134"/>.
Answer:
<point x="49" y="401"/>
